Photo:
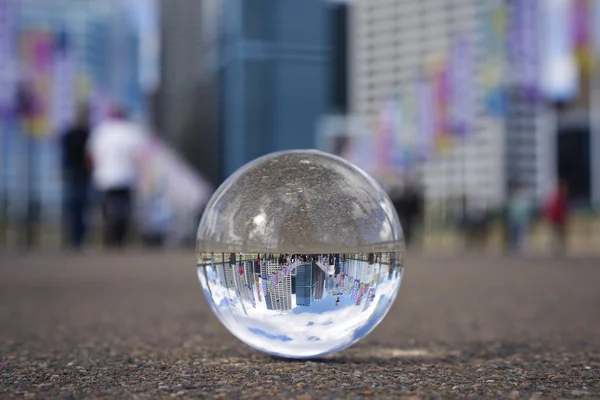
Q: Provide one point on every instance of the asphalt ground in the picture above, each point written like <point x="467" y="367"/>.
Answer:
<point x="136" y="325"/>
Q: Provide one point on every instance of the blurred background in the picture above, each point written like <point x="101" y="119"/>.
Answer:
<point x="480" y="118"/>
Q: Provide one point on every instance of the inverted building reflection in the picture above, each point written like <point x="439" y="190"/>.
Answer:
<point x="286" y="283"/>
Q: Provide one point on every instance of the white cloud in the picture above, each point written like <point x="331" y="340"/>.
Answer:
<point x="302" y="328"/>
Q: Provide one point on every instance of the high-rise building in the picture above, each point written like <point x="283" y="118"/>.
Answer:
<point x="271" y="61"/>
<point x="304" y="285"/>
<point x="186" y="104"/>
<point x="279" y="298"/>
<point x="310" y="283"/>
<point x="319" y="282"/>
<point x="396" y="41"/>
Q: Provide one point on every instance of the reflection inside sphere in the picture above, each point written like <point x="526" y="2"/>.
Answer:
<point x="300" y="305"/>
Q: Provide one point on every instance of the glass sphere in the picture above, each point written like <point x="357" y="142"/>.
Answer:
<point x="300" y="254"/>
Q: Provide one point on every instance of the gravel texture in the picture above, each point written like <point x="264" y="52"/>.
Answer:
<point x="136" y="325"/>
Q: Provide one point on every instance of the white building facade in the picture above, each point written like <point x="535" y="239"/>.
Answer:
<point x="393" y="41"/>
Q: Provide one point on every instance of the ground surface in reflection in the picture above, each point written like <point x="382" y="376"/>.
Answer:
<point x="300" y="305"/>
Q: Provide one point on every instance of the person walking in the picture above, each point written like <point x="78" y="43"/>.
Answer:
<point x="76" y="179"/>
<point x="557" y="215"/>
<point x="519" y="216"/>
<point x="115" y="147"/>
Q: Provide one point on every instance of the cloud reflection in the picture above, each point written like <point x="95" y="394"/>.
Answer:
<point x="301" y="305"/>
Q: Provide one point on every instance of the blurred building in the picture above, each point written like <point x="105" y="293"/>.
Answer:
<point x="517" y="132"/>
<point x="271" y="63"/>
<point x="185" y="105"/>
<point x="393" y="41"/>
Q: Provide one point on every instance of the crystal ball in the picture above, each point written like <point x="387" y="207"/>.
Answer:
<point x="300" y="254"/>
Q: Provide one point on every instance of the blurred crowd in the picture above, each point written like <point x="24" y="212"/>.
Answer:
<point x="474" y="225"/>
<point x="109" y="159"/>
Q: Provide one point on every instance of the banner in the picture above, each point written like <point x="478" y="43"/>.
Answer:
<point x="384" y="137"/>
<point x="370" y="298"/>
<point x="8" y="56"/>
<point x="441" y="105"/>
<point x="146" y="20"/>
<point x="462" y="86"/>
<point x="63" y="84"/>
<point x="522" y="41"/>
<point x="560" y="80"/>
<point x="37" y="54"/>
<point x="407" y="148"/>
<point x="355" y="289"/>
<point x="582" y="16"/>
<point x="492" y="25"/>
<point x="425" y="118"/>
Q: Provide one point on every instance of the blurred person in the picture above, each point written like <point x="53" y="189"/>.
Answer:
<point x="76" y="178"/>
<point x="115" y="147"/>
<point x="475" y="224"/>
<point x="156" y="220"/>
<point x="409" y="207"/>
<point x="520" y="207"/>
<point x="556" y="212"/>
<point x="414" y="209"/>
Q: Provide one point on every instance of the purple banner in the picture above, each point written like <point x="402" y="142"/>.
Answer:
<point x="251" y="296"/>
<point x="355" y="289"/>
<point x="258" y="292"/>
<point x="492" y="27"/>
<point x="361" y="293"/>
<point x="63" y="86"/>
<point x="522" y="45"/>
<point x="425" y="120"/>
<point x="370" y="298"/>
<point x="265" y="287"/>
<point x="461" y="86"/>
<point x="8" y="56"/>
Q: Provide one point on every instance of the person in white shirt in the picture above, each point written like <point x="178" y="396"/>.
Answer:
<point x="114" y="148"/>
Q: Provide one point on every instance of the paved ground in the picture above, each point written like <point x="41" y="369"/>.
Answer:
<point x="75" y="326"/>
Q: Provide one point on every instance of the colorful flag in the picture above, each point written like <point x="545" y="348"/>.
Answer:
<point x="559" y="74"/>
<point x="8" y="56"/>
<point x="492" y="25"/>
<point x="441" y="105"/>
<point x="370" y="298"/>
<point x="37" y="54"/>
<point x="251" y="296"/>
<point x="405" y="120"/>
<point x="461" y="86"/>
<point x="257" y="285"/>
<point x="265" y="286"/>
<point x="582" y="34"/>
<point x="63" y="86"/>
<point x="383" y="140"/>
<point x="523" y="45"/>
<point x="355" y="289"/>
<point x="361" y="293"/>
<point x="425" y="118"/>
